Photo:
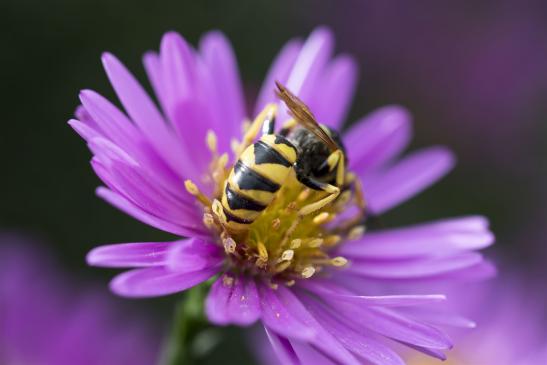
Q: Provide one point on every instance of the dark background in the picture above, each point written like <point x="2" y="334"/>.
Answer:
<point x="474" y="76"/>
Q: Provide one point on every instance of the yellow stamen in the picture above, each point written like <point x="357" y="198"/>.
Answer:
<point x="212" y="141"/>
<point x="282" y="266"/>
<point x="295" y="243"/>
<point x="229" y="245"/>
<point x="193" y="189"/>
<point x="321" y="218"/>
<point x="234" y="145"/>
<point x="332" y="240"/>
<point x="308" y="272"/>
<point x="219" y="212"/>
<point x="262" y="252"/>
<point x="316" y="242"/>
<point x="339" y="261"/>
<point x="209" y="220"/>
<point x="356" y="233"/>
<point x="276" y="223"/>
<point x="227" y="280"/>
<point x="287" y="255"/>
<point x="305" y="194"/>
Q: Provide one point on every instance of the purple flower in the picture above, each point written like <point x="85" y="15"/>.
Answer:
<point x="46" y="320"/>
<point x="509" y="330"/>
<point x="307" y="278"/>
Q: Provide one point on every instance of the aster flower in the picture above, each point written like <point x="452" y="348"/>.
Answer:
<point x="46" y="320"/>
<point x="509" y="330"/>
<point x="303" y="276"/>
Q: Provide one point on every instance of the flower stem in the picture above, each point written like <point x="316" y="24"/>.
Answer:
<point x="188" y="324"/>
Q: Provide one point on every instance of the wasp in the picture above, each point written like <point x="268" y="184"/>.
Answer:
<point x="313" y="151"/>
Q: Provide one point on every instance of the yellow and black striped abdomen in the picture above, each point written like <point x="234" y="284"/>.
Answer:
<point x="255" y="179"/>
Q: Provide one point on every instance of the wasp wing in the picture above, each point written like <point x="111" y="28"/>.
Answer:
<point x="303" y="115"/>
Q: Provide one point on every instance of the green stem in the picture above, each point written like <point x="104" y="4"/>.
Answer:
<point x="189" y="321"/>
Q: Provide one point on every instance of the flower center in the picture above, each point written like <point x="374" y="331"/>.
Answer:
<point x="280" y="244"/>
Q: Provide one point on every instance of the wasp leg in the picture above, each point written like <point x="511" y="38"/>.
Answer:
<point x="264" y="120"/>
<point x="333" y="192"/>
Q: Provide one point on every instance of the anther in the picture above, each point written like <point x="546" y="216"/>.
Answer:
<point x="343" y="199"/>
<point x="308" y="272"/>
<point x="227" y="280"/>
<point x="222" y="161"/>
<point x="291" y="206"/>
<point x="262" y="252"/>
<point x="193" y="189"/>
<point x="304" y="194"/>
<point x="219" y="212"/>
<point x="332" y="240"/>
<point x="339" y="261"/>
<point x="316" y="242"/>
<point x="276" y="223"/>
<point x="282" y="266"/>
<point x="290" y="283"/>
<point x="356" y="232"/>
<point x="321" y="218"/>
<point x="287" y="255"/>
<point x="234" y="145"/>
<point x="229" y="245"/>
<point x="212" y="141"/>
<point x="295" y="243"/>
<point x="208" y="220"/>
<point x="245" y="126"/>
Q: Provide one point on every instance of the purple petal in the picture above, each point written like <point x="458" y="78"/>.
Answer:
<point x="244" y="303"/>
<point x="193" y="254"/>
<point x="324" y="289"/>
<point x="233" y="301"/>
<point x="312" y="59"/>
<point x="143" y="112"/>
<point x="131" y="209"/>
<point x="391" y="324"/>
<point x="480" y="271"/>
<point x="308" y="354"/>
<point x="378" y="138"/>
<point x="216" y="304"/>
<point x="177" y="68"/>
<point x="130" y="254"/>
<point x="282" y="348"/>
<point x="359" y="343"/>
<point x="124" y="176"/>
<point x="85" y="131"/>
<point x="281" y="309"/>
<point x="438" y="354"/>
<point x="442" y="318"/>
<point x="406" y="178"/>
<point x="415" y="268"/>
<point x="279" y="317"/>
<point x="279" y="71"/>
<point x="227" y="95"/>
<point x="113" y="125"/>
<point x="157" y="281"/>
<point x="435" y="238"/>
<point x="330" y="103"/>
<point x="185" y="102"/>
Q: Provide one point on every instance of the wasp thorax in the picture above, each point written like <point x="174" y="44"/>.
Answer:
<point x="268" y="221"/>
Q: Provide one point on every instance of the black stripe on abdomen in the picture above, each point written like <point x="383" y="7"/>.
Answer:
<point x="248" y="179"/>
<point x="238" y="201"/>
<point x="267" y="154"/>
<point x="233" y="218"/>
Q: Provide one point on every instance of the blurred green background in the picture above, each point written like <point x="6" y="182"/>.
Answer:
<point x="473" y="75"/>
